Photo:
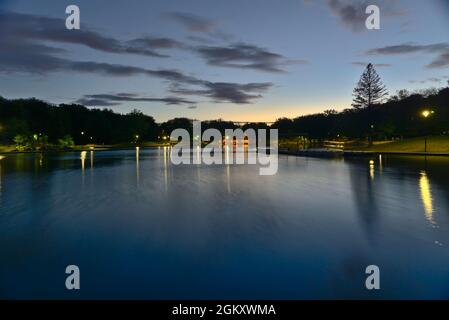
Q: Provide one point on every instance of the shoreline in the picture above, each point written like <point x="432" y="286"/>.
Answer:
<point x="301" y="153"/>
<point x="83" y="148"/>
<point x="357" y="153"/>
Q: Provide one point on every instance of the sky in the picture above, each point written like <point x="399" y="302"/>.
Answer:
<point x="238" y="60"/>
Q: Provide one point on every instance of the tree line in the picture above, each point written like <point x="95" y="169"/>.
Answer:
<point x="32" y="122"/>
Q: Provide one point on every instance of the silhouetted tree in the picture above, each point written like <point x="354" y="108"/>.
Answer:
<point x="370" y="90"/>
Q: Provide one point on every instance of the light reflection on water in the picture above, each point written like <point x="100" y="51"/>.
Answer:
<point x="426" y="196"/>
<point x="140" y="227"/>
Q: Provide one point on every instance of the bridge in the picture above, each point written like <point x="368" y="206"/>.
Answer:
<point x="242" y="123"/>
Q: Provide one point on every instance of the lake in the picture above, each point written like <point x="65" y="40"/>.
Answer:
<point x="139" y="227"/>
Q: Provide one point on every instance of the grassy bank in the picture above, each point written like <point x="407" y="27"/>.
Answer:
<point x="53" y="148"/>
<point x="434" y="145"/>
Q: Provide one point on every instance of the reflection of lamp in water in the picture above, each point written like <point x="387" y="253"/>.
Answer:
<point x="1" y="158"/>
<point x="227" y="160"/>
<point x="165" y="168"/>
<point x="371" y="169"/>
<point x="91" y="160"/>
<point x="426" y="196"/>
<point x="137" y="163"/>
<point x="380" y="164"/>
<point x="83" y="159"/>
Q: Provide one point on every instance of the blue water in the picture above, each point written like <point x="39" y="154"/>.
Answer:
<point x="142" y="228"/>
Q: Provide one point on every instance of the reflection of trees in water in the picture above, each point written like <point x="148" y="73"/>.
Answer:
<point x="429" y="174"/>
<point x="363" y="184"/>
<point x="47" y="162"/>
<point x="432" y="176"/>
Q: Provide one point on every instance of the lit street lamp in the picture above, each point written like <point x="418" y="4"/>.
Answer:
<point x="426" y="114"/>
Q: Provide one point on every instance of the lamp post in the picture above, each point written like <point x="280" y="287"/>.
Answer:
<point x="426" y="114"/>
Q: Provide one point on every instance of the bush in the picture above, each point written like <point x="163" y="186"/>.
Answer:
<point x="66" y="142"/>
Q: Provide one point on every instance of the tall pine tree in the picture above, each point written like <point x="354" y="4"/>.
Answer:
<point x="370" y="90"/>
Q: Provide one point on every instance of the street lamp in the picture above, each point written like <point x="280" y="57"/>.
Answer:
<point x="426" y="114"/>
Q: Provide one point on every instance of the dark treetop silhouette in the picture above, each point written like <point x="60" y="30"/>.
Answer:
<point x="370" y="89"/>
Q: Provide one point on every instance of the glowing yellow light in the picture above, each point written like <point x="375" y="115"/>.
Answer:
<point x="426" y="196"/>
<point x="2" y="157"/>
<point x="371" y="169"/>
<point x="83" y="159"/>
<point x="426" y="113"/>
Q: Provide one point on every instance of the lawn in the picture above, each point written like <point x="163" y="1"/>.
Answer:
<point x="434" y="144"/>
<point x="6" y="148"/>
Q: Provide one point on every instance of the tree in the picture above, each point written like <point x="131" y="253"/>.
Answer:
<point x="370" y="90"/>
<point x="66" y="142"/>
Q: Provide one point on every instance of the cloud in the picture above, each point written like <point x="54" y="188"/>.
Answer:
<point x="440" y="49"/>
<point x="38" y="28"/>
<point x="377" y="65"/>
<point x="431" y="80"/>
<point x="243" y="56"/>
<point x="155" y="43"/>
<point x="33" y="58"/>
<point x="407" y="48"/>
<point x="22" y="51"/>
<point x="442" y="61"/>
<point x="352" y="13"/>
<point x="42" y="59"/>
<point x="227" y="92"/>
<point x="116" y="99"/>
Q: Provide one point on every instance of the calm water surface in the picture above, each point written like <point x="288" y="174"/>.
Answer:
<point x="140" y="227"/>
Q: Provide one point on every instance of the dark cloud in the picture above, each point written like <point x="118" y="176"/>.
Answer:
<point x="352" y="13"/>
<point x="377" y="65"/>
<point x="243" y="56"/>
<point x="406" y="48"/>
<point x="23" y="55"/>
<point x="227" y="92"/>
<point x="33" y="27"/>
<point x="116" y="99"/>
<point x="434" y="80"/>
<point x="440" y="49"/>
<point x="41" y="59"/>
<point x="442" y="61"/>
<point x="155" y="43"/>
<point x="22" y="50"/>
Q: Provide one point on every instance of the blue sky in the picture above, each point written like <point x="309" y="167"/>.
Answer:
<point x="253" y="60"/>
